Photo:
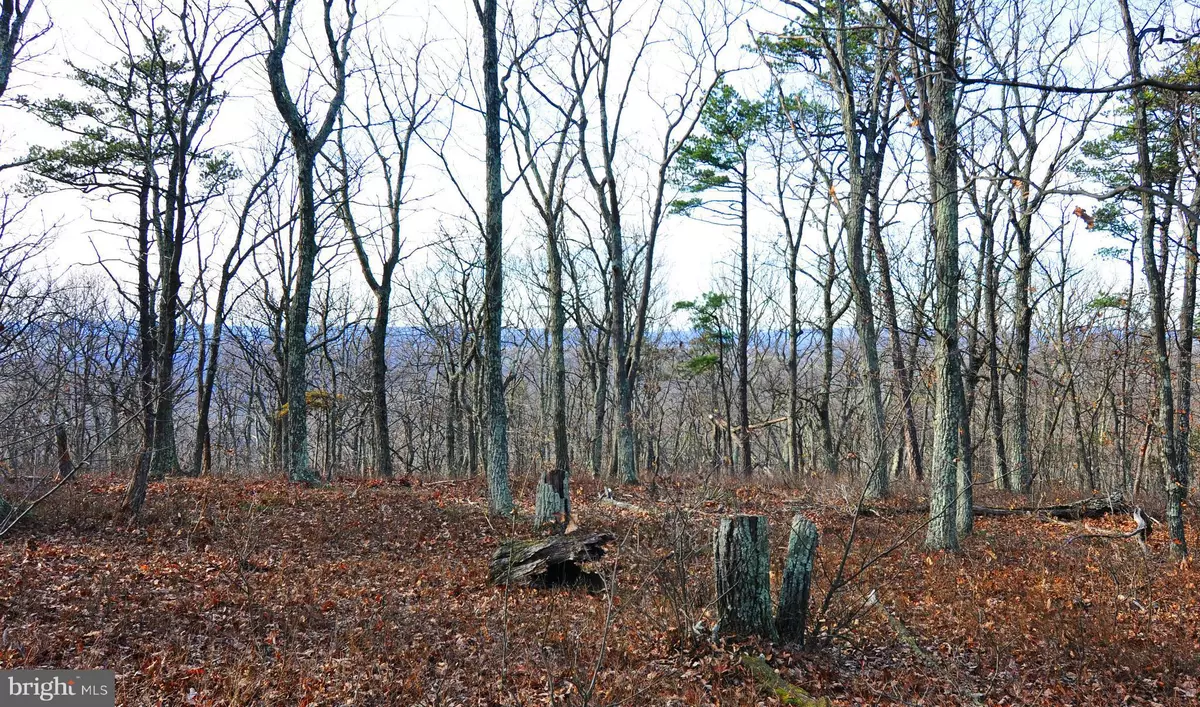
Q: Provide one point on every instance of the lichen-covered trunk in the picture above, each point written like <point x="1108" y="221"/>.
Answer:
<point x="943" y="494"/>
<point x="792" y="617"/>
<point x="1172" y="449"/>
<point x="499" y="494"/>
<point x="296" y="459"/>
<point x="379" y="404"/>
<point x="743" y="353"/>
<point x="742" y="571"/>
<point x="553" y="493"/>
<point x="995" y="391"/>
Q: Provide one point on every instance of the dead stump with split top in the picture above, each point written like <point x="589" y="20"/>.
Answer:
<point x="742" y="569"/>
<point x="797" y="580"/>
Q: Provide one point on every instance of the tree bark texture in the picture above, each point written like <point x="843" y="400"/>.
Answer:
<point x="792" y="617"/>
<point x="742" y="570"/>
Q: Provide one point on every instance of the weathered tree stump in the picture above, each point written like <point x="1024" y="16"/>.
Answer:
<point x="550" y="562"/>
<point x="65" y="466"/>
<point x="553" y="504"/>
<point x="797" y="580"/>
<point x="743" y="575"/>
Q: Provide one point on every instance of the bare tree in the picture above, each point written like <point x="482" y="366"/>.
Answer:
<point x="396" y="106"/>
<point x="238" y="252"/>
<point x="549" y="160"/>
<point x="499" y="493"/>
<point x="307" y="141"/>
<point x="1172" y="447"/>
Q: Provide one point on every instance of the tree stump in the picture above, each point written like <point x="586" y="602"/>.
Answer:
<point x="797" y="580"/>
<point x="743" y="575"/>
<point x="550" y="562"/>
<point x="65" y="466"/>
<point x="553" y="504"/>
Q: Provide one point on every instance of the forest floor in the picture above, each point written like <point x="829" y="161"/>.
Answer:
<point x="252" y="592"/>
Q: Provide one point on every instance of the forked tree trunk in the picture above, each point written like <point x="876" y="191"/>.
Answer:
<point x="742" y="570"/>
<point x="307" y="140"/>
<point x="797" y="580"/>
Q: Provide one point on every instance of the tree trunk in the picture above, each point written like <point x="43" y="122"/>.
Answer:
<point x="742" y="570"/>
<point x="1021" y="468"/>
<point x="1187" y="328"/>
<point x="499" y="495"/>
<point x="797" y="580"/>
<point x="995" y="391"/>
<point x="296" y="332"/>
<point x="165" y="460"/>
<point x="553" y="494"/>
<point x="941" y="534"/>
<point x="549" y="562"/>
<point x="828" y="449"/>
<point x="795" y="445"/>
<point x="1175" y="463"/>
<point x="136" y="493"/>
<point x="65" y="465"/>
<point x="626" y="454"/>
<point x="743" y="354"/>
<point x="912" y="439"/>
<point x="876" y="456"/>
<point x="379" y="404"/>
<point x="600" y="405"/>
<point x="964" y="518"/>
<point x="306" y="145"/>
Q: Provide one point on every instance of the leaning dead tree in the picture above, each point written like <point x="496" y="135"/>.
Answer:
<point x="550" y="562"/>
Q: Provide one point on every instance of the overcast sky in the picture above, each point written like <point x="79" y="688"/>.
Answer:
<point x="690" y="251"/>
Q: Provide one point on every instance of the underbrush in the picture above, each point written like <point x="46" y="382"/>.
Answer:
<point x="259" y="592"/>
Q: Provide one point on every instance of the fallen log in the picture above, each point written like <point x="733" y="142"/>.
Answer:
<point x="784" y="691"/>
<point x="1093" y="507"/>
<point x="1142" y="530"/>
<point x="550" y="562"/>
